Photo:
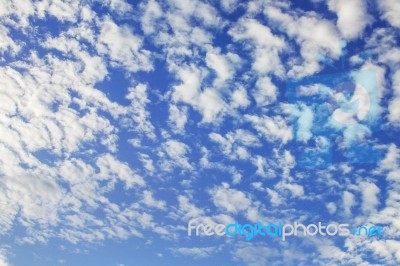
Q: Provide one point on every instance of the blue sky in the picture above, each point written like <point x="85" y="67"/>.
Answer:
<point x="121" y="121"/>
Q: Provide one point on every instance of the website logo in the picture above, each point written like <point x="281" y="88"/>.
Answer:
<point x="334" y="117"/>
<point x="281" y="230"/>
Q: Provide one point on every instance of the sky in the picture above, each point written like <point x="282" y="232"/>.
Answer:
<point x="122" y="121"/>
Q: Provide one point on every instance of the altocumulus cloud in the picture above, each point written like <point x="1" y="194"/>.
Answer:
<point x="120" y="122"/>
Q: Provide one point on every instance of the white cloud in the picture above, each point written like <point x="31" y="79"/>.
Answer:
<point x="332" y="253"/>
<point x="295" y="190"/>
<point x="38" y="200"/>
<point x="177" y="152"/>
<point x="381" y="39"/>
<point x="152" y="12"/>
<point x="60" y="130"/>
<point x="234" y="144"/>
<point x="272" y="128"/>
<point x="370" y="197"/>
<point x="380" y="71"/>
<point x="229" y="199"/>
<point x="352" y="16"/>
<point x="239" y="98"/>
<point x="196" y="252"/>
<point x="123" y="47"/>
<point x="348" y="202"/>
<point x="263" y="167"/>
<point x="3" y="258"/>
<point x="313" y="34"/>
<point x="387" y="249"/>
<point x="21" y="9"/>
<point x="63" y="11"/>
<point x="138" y="117"/>
<point x="147" y="162"/>
<point x="6" y="42"/>
<point x="392" y="158"/>
<point x="230" y="169"/>
<point x="109" y="166"/>
<point x="331" y="207"/>
<point x="211" y="105"/>
<point x="222" y="65"/>
<point x="209" y="101"/>
<point x="236" y="178"/>
<point x="58" y="115"/>
<point x="390" y="10"/>
<point x="150" y="201"/>
<point x="304" y="122"/>
<point x="188" y="210"/>
<point x="253" y="255"/>
<point x="266" y="92"/>
<point x="229" y="5"/>
<point x="394" y="106"/>
<point x="275" y="198"/>
<point x="266" y="46"/>
<point x="119" y="6"/>
<point x="189" y="89"/>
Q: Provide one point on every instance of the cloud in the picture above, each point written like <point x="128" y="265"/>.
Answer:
<point x="352" y="16"/>
<point x="331" y="253"/>
<point x="77" y="84"/>
<point x="394" y="107"/>
<point x="211" y="105"/>
<point x="390" y="9"/>
<point x="253" y="255"/>
<point x="196" y="252"/>
<point x="6" y="43"/>
<point x="229" y="5"/>
<point x="239" y="98"/>
<point x="122" y="46"/>
<point x="147" y="162"/>
<point x="152" y="12"/>
<point x="94" y="68"/>
<point x="229" y="200"/>
<point x="294" y="189"/>
<point x="387" y="249"/>
<point x="272" y="128"/>
<point x="220" y="166"/>
<point x="267" y="46"/>
<point x="3" y="259"/>
<point x="274" y="197"/>
<point x="331" y="207"/>
<point x="263" y="167"/>
<point x="178" y="117"/>
<point x="223" y="65"/>
<point x="392" y="158"/>
<point x="188" y="210"/>
<point x="61" y="10"/>
<point x="235" y="144"/>
<point x="22" y="10"/>
<point x="304" y="122"/>
<point x="138" y="117"/>
<point x="110" y="166"/>
<point x="176" y="152"/>
<point x="348" y="202"/>
<point x="313" y="34"/>
<point x="370" y="197"/>
<point x="208" y="101"/>
<point x="119" y="6"/>
<point x="149" y="200"/>
<point x="204" y="12"/>
<point x="266" y="92"/>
